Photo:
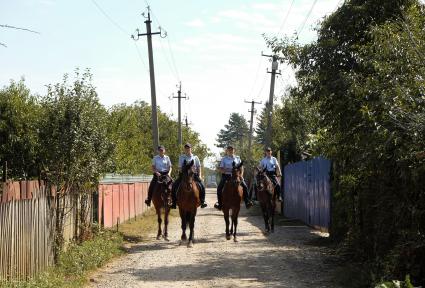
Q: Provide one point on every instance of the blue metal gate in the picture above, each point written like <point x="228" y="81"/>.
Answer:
<point x="307" y="192"/>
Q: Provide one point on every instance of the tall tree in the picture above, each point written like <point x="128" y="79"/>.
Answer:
<point x="19" y="119"/>
<point x="365" y="77"/>
<point x="234" y="133"/>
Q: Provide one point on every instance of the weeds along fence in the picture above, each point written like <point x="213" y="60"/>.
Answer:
<point x="27" y="227"/>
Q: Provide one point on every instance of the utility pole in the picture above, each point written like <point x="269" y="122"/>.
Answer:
<point x="251" y="122"/>
<point x="179" y="98"/>
<point x="271" y="95"/>
<point x="148" y="34"/>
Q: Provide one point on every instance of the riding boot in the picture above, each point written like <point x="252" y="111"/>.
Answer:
<point x="248" y="202"/>
<point x="219" y="204"/>
<point x="202" y="196"/>
<point x="201" y="191"/>
<point x="150" y="191"/>
<point x="174" y="193"/>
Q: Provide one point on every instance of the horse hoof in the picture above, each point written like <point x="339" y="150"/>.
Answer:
<point x="228" y="237"/>
<point x="235" y="239"/>
<point x="158" y="237"/>
<point x="190" y="244"/>
<point x="166" y="238"/>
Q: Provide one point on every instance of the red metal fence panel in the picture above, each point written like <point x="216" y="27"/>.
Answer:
<point x="122" y="199"/>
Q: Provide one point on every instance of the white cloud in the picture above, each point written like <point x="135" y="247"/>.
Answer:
<point x="195" y="23"/>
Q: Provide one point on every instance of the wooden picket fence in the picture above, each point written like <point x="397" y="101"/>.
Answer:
<point x="27" y="228"/>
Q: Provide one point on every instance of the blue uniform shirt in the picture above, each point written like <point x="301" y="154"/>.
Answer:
<point x="271" y="164"/>
<point x="227" y="163"/>
<point x="196" y="164"/>
<point x="161" y="164"/>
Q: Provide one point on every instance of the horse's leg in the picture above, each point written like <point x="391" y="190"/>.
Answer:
<point x="272" y="215"/>
<point x="183" y="218"/>
<point x="191" y="227"/>
<point x="265" y="217"/>
<point x="158" y="213"/>
<point x="167" y="212"/>
<point x="226" y="219"/>
<point x="235" y="215"/>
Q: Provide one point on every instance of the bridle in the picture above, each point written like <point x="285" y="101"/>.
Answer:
<point x="263" y="181"/>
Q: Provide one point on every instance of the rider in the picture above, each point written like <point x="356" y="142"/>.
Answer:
<point x="226" y="166"/>
<point x="188" y="156"/>
<point x="272" y="167"/>
<point x="161" y="165"/>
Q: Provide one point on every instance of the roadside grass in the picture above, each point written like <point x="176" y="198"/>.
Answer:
<point x="74" y="263"/>
<point x="79" y="260"/>
<point x="139" y="229"/>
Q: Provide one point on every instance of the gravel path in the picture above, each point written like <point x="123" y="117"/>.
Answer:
<point x="287" y="258"/>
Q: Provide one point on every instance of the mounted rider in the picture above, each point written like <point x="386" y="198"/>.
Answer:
<point x="161" y="165"/>
<point x="225" y="167"/>
<point x="188" y="156"/>
<point x="271" y="165"/>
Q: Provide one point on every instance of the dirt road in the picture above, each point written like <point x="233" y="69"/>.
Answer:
<point x="287" y="258"/>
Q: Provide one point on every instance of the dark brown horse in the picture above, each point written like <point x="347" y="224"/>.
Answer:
<point x="232" y="198"/>
<point x="161" y="199"/>
<point x="188" y="201"/>
<point x="267" y="198"/>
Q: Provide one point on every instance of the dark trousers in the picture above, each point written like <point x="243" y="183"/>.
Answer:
<point x="226" y="177"/>
<point x="153" y="184"/>
<point x="275" y="181"/>
<point x="198" y="181"/>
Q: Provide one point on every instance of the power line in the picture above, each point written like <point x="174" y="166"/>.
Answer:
<point x="121" y="29"/>
<point x="255" y="78"/>
<point x="306" y="18"/>
<point x="172" y="57"/>
<point x="286" y="17"/>
<point x="109" y="18"/>
<point x="172" y="66"/>
<point x="18" y="28"/>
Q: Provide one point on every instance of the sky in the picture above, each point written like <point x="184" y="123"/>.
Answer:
<point x="213" y="47"/>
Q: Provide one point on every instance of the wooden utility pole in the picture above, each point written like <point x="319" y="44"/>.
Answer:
<point x="179" y="98"/>
<point x="271" y="95"/>
<point x="251" y="122"/>
<point x="148" y="34"/>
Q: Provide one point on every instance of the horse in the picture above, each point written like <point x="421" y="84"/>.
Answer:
<point x="232" y="197"/>
<point x="161" y="199"/>
<point x="188" y="201"/>
<point x="266" y="195"/>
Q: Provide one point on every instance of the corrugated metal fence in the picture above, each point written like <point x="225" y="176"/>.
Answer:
<point x="307" y="192"/>
<point x="122" y="197"/>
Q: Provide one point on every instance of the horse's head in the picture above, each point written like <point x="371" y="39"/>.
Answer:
<point x="262" y="180"/>
<point x="237" y="171"/>
<point x="187" y="170"/>
<point x="165" y="182"/>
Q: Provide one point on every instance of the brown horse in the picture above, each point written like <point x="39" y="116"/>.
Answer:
<point x="188" y="201"/>
<point x="232" y="198"/>
<point x="161" y="199"/>
<point x="267" y="198"/>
